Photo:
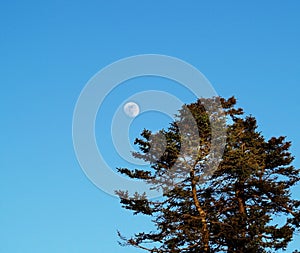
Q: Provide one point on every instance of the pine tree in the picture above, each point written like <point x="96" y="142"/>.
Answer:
<point x="232" y="208"/>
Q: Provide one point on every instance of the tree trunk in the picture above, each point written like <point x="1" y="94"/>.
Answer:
<point x="202" y="214"/>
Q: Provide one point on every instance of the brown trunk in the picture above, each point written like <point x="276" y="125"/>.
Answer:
<point x="242" y="210"/>
<point x="202" y="214"/>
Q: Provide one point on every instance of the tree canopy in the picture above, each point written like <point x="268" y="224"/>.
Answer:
<point x="242" y="205"/>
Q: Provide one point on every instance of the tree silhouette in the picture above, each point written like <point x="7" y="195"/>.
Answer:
<point x="234" y="207"/>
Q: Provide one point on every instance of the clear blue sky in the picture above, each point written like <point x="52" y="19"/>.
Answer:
<point x="50" y="49"/>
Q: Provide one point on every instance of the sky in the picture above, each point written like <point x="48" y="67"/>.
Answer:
<point x="48" y="52"/>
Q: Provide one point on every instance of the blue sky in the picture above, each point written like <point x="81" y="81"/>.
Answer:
<point x="49" y="50"/>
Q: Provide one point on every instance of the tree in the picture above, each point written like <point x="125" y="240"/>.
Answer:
<point x="231" y="208"/>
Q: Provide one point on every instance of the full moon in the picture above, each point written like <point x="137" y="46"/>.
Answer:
<point x="131" y="109"/>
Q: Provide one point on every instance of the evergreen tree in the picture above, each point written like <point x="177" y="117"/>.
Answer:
<point x="230" y="208"/>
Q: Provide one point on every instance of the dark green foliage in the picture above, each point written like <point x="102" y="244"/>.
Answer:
<point x="228" y="209"/>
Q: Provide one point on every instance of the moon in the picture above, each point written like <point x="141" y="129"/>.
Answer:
<point x="131" y="109"/>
